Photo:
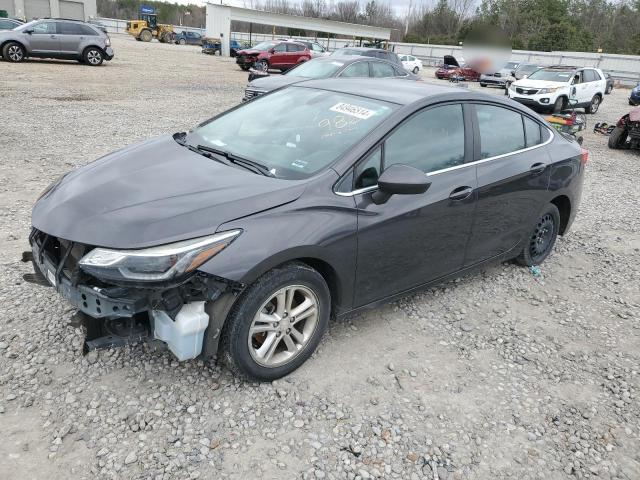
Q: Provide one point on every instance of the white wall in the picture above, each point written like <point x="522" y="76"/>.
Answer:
<point x="90" y="9"/>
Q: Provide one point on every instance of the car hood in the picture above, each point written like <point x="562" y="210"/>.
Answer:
<point x="451" y="60"/>
<point x="153" y="193"/>
<point x="249" y="51"/>
<point x="275" y="81"/>
<point x="528" y="83"/>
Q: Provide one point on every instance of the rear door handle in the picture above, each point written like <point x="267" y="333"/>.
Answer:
<point x="538" y="167"/>
<point x="461" y="193"/>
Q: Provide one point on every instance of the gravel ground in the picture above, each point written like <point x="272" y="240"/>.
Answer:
<point x="499" y="375"/>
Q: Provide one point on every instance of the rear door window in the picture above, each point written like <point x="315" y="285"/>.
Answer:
<point x="282" y="47"/>
<point x="431" y="140"/>
<point x="358" y="69"/>
<point x="381" y="70"/>
<point x="533" y="135"/>
<point x="501" y="130"/>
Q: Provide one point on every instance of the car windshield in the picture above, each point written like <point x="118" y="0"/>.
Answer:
<point x="264" y="46"/>
<point x="315" y="69"/>
<point x="552" y="75"/>
<point x="26" y="25"/>
<point x="527" y="69"/>
<point x="307" y="130"/>
<point x="510" y="65"/>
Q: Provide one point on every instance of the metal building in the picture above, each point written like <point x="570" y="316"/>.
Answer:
<point x="219" y="18"/>
<point x="30" y="9"/>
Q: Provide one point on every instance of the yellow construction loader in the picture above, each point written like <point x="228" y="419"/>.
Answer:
<point x="147" y="28"/>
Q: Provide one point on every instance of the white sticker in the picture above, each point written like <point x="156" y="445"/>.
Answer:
<point x="51" y="277"/>
<point x="353" y="110"/>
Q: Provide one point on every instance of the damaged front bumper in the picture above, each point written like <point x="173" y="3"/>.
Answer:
<point x="115" y="315"/>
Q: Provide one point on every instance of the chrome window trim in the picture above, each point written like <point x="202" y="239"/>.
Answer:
<point x="457" y="167"/>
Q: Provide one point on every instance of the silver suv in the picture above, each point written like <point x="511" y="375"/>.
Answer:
<point x="56" y="38"/>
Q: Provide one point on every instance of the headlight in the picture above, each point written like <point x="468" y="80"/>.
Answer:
<point x="548" y="90"/>
<point x="161" y="263"/>
<point x="51" y="186"/>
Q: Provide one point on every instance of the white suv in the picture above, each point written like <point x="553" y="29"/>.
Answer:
<point x="554" y="88"/>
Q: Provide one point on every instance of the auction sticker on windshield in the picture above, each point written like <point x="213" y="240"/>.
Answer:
<point x="353" y="110"/>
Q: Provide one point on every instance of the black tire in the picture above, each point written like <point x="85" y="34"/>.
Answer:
<point x="559" y="105"/>
<point x="483" y="84"/>
<point x="617" y="136"/>
<point x="608" y="89"/>
<point x="244" y="67"/>
<point x="540" y="241"/>
<point x="13" y="52"/>
<point x="595" y="104"/>
<point x="235" y="338"/>
<point x="182" y="41"/>
<point x="415" y="70"/>
<point x="93" y="56"/>
<point x="146" y="36"/>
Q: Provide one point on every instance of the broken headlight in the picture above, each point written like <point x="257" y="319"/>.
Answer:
<point x="155" y="264"/>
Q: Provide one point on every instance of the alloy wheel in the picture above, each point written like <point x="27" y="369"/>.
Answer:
<point x="15" y="53"/>
<point x="283" y="326"/>
<point x="542" y="238"/>
<point x="262" y="66"/>
<point x="94" y="57"/>
<point x="595" y="103"/>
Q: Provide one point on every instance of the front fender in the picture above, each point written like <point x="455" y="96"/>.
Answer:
<point x="318" y="228"/>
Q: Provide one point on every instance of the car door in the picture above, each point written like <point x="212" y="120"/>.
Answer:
<point x="513" y="167"/>
<point x="71" y="36"/>
<point x="295" y="52"/>
<point x="44" y="39"/>
<point x="279" y="56"/>
<point x="412" y="239"/>
<point x="580" y="88"/>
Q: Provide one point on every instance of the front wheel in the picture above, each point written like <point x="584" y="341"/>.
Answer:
<point x="182" y="41"/>
<point x="146" y="36"/>
<point x="13" y="52"/>
<point x="277" y="323"/>
<point x="595" y="104"/>
<point x="559" y="105"/>
<point x="93" y="56"/>
<point x="542" y="238"/>
<point x="262" y="65"/>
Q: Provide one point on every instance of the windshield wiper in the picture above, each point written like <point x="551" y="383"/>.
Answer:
<point x="244" y="162"/>
<point x="180" y="138"/>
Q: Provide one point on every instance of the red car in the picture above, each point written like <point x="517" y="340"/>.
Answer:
<point x="279" y="55"/>
<point x="451" y="68"/>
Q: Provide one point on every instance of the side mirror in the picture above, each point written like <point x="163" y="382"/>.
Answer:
<point x="29" y="31"/>
<point x="400" y="179"/>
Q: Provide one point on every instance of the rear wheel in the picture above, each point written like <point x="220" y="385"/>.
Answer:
<point x="182" y="41"/>
<point x="595" y="104"/>
<point x="146" y="36"/>
<point x="13" y="52"/>
<point x="542" y="238"/>
<point x="608" y="90"/>
<point x="617" y="137"/>
<point x="93" y="56"/>
<point x="277" y="323"/>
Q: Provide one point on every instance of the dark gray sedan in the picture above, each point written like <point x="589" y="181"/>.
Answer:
<point x="328" y="67"/>
<point x="244" y="236"/>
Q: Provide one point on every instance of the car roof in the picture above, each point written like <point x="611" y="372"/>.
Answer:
<point x="347" y="59"/>
<point x="392" y="90"/>
<point x="363" y="49"/>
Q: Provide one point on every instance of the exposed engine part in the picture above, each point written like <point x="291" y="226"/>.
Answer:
<point x="108" y="333"/>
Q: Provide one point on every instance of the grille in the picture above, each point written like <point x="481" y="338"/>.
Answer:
<point x="526" y="91"/>
<point x="62" y="253"/>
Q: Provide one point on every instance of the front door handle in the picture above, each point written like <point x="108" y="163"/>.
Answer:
<point x="538" y="167"/>
<point x="461" y="193"/>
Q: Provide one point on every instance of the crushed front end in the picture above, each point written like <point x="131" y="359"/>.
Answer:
<point x="116" y="312"/>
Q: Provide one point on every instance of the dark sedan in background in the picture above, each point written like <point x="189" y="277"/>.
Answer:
<point x="250" y="234"/>
<point x="328" y="67"/>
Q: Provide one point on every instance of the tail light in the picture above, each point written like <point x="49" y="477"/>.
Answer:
<point x="584" y="153"/>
